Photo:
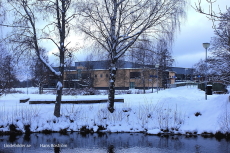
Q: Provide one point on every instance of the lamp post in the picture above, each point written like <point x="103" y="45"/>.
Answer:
<point x="206" y="45"/>
<point x="157" y="66"/>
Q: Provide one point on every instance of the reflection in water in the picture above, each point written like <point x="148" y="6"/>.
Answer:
<point x="110" y="143"/>
<point x="110" y="149"/>
<point x="56" y="149"/>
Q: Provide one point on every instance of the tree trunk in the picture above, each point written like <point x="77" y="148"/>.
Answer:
<point x="40" y="88"/>
<point x="143" y="79"/>
<point x="59" y="88"/>
<point x="61" y="24"/>
<point x="111" y="96"/>
<point x="57" y="107"/>
<point x="144" y="83"/>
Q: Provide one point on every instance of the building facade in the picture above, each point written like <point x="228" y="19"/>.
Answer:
<point x="183" y="74"/>
<point x="129" y="76"/>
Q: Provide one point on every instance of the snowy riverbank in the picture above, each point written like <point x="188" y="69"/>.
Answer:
<point x="178" y="110"/>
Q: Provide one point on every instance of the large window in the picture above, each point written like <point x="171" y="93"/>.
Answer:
<point x="134" y="75"/>
<point x="86" y="75"/>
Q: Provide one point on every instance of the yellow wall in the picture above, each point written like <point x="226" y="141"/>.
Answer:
<point x="101" y="78"/>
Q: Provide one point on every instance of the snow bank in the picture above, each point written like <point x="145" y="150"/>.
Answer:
<point x="178" y="110"/>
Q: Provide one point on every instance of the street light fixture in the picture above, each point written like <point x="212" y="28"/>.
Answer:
<point x="157" y="66"/>
<point x="206" y="45"/>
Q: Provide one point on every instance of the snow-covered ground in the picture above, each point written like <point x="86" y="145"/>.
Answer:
<point x="178" y="110"/>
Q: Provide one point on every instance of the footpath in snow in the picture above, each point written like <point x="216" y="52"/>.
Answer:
<point x="179" y="110"/>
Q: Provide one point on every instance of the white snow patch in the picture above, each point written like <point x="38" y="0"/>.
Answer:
<point x="174" y="109"/>
<point x="154" y="131"/>
<point x="59" y="85"/>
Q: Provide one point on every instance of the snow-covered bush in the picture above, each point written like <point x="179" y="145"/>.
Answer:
<point x="20" y="117"/>
<point x="169" y="117"/>
<point x="90" y="91"/>
<point x="117" y="116"/>
<point x="224" y="121"/>
<point x="83" y="91"/>
<point x="197" y="114"/>
<point x="102" y="115"/>
<point x="72" y="112"/>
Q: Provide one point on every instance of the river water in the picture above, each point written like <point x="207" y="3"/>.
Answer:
<point x="110" y="143"/>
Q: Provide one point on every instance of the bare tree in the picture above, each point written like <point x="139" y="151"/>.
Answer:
<point x="218" y="63"/>
<point x="220" y="47"/>
<point x="215" y="70"/>
<point x="211" y="14"/>
<point x="70" y="58"/>
<point x="88" y="75"/>
<point x="142" y="54"/>
<point x="7" y="70"/>
<point x="200" y="68"/>
<point x="218" y="69"/>
<point x="221" y="40"/>
<point x="164" y="59"/>
<point x="27" y="35"/>
<point x="117" y="24"/>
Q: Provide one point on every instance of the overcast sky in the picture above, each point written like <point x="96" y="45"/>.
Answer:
<point x="197" y="29"/>
<point x="187" y="48"/>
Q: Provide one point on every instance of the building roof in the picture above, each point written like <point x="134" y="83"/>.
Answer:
<point x="102" y="65"/>
<point x="181" y="70"/>
<point x="105" y="64"/>
<point x="66" y="68"/>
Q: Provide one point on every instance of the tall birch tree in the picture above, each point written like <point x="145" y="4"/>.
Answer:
<point x="36" y="21"/>
<point x="117" y="24"/>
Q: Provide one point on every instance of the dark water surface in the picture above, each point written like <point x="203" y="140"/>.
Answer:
<point x="111" y="143"/>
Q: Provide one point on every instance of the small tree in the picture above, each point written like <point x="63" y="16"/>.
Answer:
<point x="117" y="24"/>
<point x="88" y="75"/>
<point x="142" y="53"/>
<point x="164" y="59"/>
<point x="70" y="77"/>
